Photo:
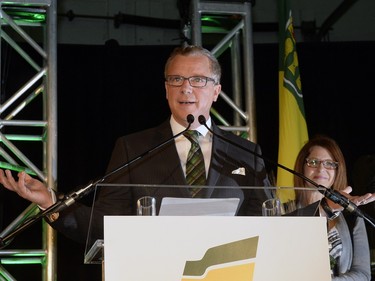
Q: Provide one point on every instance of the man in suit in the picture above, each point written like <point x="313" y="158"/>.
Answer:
<point x="192" y="83"/>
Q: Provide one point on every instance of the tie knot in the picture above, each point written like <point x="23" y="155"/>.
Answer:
<point x="192" y="136"/>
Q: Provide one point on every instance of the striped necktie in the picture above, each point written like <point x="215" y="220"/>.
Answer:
<point x="195" y="169"/>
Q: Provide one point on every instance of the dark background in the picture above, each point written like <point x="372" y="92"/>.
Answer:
<point x="108" y="91"/>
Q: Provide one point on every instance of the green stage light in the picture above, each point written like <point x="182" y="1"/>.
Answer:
<point x="219" y="24"/>
<point x="22" y="261"/>
<point x="26" y="14"/>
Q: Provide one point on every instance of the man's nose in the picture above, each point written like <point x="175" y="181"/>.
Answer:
<point x="186" y="88"/>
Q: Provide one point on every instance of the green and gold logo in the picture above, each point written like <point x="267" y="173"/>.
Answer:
<point x="231" y="261"/>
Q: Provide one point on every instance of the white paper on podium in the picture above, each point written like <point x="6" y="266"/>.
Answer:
<point x="171" y="206"/>
<point x="139" y="248"/>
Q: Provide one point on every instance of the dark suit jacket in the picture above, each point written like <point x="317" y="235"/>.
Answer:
<point x="162" y="167"/>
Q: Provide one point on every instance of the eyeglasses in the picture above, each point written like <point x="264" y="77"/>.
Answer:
<point x="194" y="81"/>
<point x="328" y="164"/>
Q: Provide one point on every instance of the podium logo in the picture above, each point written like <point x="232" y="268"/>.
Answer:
<point x="231" y="261"/>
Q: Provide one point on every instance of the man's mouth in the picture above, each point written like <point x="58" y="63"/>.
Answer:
<point x="187" y="102"/>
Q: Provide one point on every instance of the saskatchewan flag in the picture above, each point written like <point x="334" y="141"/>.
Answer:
<point x="292" y="124"/>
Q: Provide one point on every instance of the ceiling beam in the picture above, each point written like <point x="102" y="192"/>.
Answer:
<point x="334" y="17"/>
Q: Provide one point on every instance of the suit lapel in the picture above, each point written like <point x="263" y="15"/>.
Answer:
<point x="215" y="169"/>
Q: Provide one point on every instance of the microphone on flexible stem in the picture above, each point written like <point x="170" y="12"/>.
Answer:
<point x="329" y="193"/>
<point x="70" y="198"/>
<point x="189" y="118"/>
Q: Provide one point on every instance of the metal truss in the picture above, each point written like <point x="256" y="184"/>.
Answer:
<point x="29" y="29"/>
<point x="237" y="38"/>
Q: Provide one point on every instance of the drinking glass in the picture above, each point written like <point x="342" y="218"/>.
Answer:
<point x="271" y="207"/>
<point x="146" y="206"/>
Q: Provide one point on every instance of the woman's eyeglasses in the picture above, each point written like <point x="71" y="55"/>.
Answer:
<point x="328" y="164"/>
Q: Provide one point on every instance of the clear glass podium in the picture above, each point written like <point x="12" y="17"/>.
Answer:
<point x="214" y="201"/>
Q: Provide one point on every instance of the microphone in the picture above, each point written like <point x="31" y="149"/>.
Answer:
<point x="329" y="193"/>
<point x="75" y="195"/>
<point x="70" y="198"/>
<point x="81" y="192"/>
<point x="189" y="118"/>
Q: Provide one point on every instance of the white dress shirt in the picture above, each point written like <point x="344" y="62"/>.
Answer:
<point x="183" y="144"/>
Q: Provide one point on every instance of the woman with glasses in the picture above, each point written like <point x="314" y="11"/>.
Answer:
<point x="322" y="161"/>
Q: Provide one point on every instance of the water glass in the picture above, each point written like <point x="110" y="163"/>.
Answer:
<point x="271" y="207"/>
<point x="146" y="206"/>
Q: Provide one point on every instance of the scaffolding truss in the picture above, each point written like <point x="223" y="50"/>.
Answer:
<point x="28" y="114"/>
<point x="237" y="39"/>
